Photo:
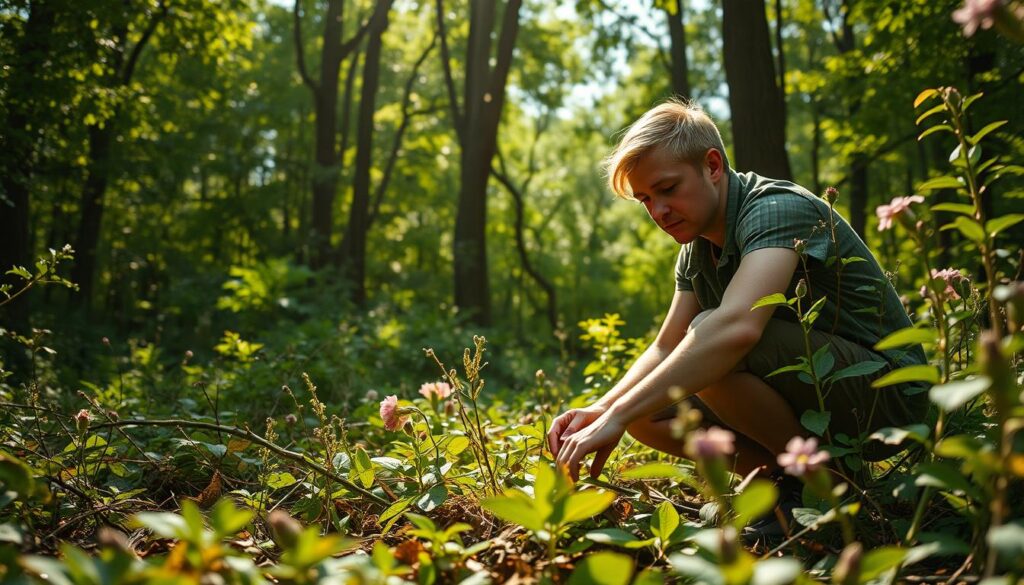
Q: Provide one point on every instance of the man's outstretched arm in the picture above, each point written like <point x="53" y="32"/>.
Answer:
<point x="680" y="314"/>
<point x="704" y="356"/>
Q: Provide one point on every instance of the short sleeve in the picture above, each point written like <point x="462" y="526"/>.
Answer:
<point x="682" y="283"/>
<point x="775" y="220"/>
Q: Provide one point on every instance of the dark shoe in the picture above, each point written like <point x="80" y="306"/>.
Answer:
<point x="777" y="524"/>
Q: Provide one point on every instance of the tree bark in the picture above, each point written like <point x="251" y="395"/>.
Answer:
<point x="680" y="65"/>
<point x="353" y="244"/>
<point x="758" y="112"/>
<point x="845" y="42"/>
<point x="477" y="128"/>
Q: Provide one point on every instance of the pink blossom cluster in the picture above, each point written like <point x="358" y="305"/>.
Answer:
<point x="710" y="443"/>
<point x="802" y="456"/>
<point x="950" y="276"/>
<point x="887" y="213"/>
<point x="438" y="390"/>
<point x="975" y="14"/>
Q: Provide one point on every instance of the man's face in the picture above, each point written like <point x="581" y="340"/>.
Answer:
<point x="681" y="198"/>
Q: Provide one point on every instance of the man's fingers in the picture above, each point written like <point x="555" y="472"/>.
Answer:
<point x="600" y="458"/>
<point x="555" y="434"/>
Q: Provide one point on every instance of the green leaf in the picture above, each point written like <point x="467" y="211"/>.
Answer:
<point x="952" y="395"/>
<point x="880" y="560"/>
<point x="586" y="504"/>
<point x="432" y="498"/>
<point x="959" y="447"/>
<point x="395" y="509"/>
<point x="934" y="129"/>
<point x="808" y="517"/>
<point x="815" y="421"/>
<point x="1008" y="542"/>
<point x="614" y="537"/>
<point x="772" y="300"/>
<point x="697" y="569"/>
<point x="944" y="476"/>
<point x="757" y="499"/>
<point x="961" y="208"/>
<point x="856" y="370"/>
<point x="801" y="367"/>
<point x="16" y="475"/>
<point x="852" y="259"/>
<point x="664" y="521"/>
<point x="164" y="524"/>
<point x="515" y="507"/>
<point x="280" y="480"/>
<point x="985" y="131"/>
<point x="994" y="226"/>
<point x="363" y="468"/>
<point x="226" y="519"/>
<point x="457" y="445"/>
<point x="896" y="435"/>
<point x="776" y="571"/>
<point x="603" y="568"/>
<point x="655" y="471"/>
<point x="920" y="373"/>
<point x="924" y="96"/>
<point x="931" y="111"/>
<point x="970" y="228"/>
<point x="907" y="336"/>
<point x="945" y="182"/>
<point x="823" y="361"/>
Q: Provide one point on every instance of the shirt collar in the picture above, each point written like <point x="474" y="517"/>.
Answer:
<point x="700" y="249"/>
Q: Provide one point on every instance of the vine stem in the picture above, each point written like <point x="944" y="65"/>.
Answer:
<point x="253" y="437"/>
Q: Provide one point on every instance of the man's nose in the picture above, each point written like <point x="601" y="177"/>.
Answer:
<point x="659" y="209"/>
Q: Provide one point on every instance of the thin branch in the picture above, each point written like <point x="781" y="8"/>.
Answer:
<point x="253" y="437"/>
<point x="133" y="59"/>
<point x="300" y="55"/>
<point x="446" y="66"/>
<point x="397" y="144"/>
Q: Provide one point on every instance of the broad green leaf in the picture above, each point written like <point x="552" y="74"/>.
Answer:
<point x="776" y="571"/>
<point x="655" y="471"/>
<point x="432" y="498"/>
<point x="603" y="568"/>
<point x="896" y="435"/>
<point x="226" y="519"/>
<point x="952" y="395"/>
<point x="994" y="226"/>
<point x="1008" y="542"/>
<point x="586" y="504"/>
<point x="961" y="208"/>
<point x="515" y="507"/>
<point x="697" y="569"/>
<point x="395" y="509"/>
<point x="164" y="524"/>
<point x="613" y="536"/>
<point x="880" y="560"/>
<point x="772" y="300"/>
<point x="664" y="521"/>
<point x="920" y="373"/>
<point x="809" y="516"/>
<point x="823" y="361"/>
<point x="857" y="370"/>
<point x="816" y="421"/>
<point x="907" y="336"/>
<point x="756" y="500"/>
<point x="944" y="476"/>
<point x="457" y="445"/>
<point x="970" y="228"/>
<point x="280" y="479"/>
<point x="985" y="131"/>
<point x="945" y="182"/>
<point x="16" y="475"/>
<point x="959" y="447"/>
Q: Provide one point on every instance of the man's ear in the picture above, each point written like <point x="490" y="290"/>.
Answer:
<point x="714" y="162"/>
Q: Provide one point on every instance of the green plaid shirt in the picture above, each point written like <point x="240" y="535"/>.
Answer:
<point x="768" y="213"/>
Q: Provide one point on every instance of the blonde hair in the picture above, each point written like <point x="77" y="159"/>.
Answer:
<point x="680" y="126"/>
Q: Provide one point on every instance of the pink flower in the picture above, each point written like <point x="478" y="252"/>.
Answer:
<point x="976" y="14"/>
<point x="391" y="413"/>
<point x="710" y="443"/>
<point x="950" y="275"/>
<point x="802" y="456"/>
<point x="887" y="213"/>
<point x="82" y="420"/>
<point x="440" y="390"/>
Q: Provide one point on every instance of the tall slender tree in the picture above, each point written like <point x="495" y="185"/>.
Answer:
<point x="476" y="122"/>
<point x="755" y="102"/>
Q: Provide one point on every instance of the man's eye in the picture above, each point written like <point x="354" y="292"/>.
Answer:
<point x="668" y="189"/>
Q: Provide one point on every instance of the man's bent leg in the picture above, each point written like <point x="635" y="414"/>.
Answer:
<point x="750" y="406"/>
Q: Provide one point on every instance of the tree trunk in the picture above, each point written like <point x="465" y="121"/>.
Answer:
<point x="91" y="208"/>
<point x="680" y="65"/>
<point x="353" y="245"/>
<point x="484" y="97"/>
<point x="758" y="112"/>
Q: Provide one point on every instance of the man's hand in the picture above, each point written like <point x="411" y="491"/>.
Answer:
<point x="580" y="431"/>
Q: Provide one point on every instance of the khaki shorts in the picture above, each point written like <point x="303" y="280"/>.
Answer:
<point x="856" y="408"/>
